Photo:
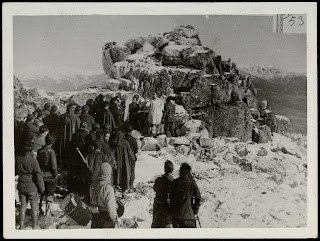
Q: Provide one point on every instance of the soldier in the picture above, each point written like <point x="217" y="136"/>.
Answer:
<point x="48" y="165"/>
<point x="115" y="110"/>
<point x="133" y="113"/>
<point x="134" y="147"/>
<point x="161" y="208"/>
<point x="124" y="157"/>
<point x="105" y="148"/>
<point x="106" y="118"/>
<point x="185" y="199"/>
<point x="39" y="120"/>
<point x="169" y="117"/>
<point x="53" y="121"/>
<point x="77" y="111"/>
<point x="30" y="130"/>
<point x="93" y="134"/>
<point x="30" y="182"/>
<point x="96" y="158"/>
<point x="270" y="120"/>
<point x="79" y="139"/>
<point x="46" y="109"/>
<point x="86" y="117"/>
<point x="39" y="140"/>
<point x="155" y="114"/>
<point x="70" y="123"/>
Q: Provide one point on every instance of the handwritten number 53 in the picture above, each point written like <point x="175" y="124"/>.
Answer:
<point x="292" y="19"/>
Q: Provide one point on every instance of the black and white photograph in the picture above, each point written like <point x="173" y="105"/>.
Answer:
<point x="156" y="120"/>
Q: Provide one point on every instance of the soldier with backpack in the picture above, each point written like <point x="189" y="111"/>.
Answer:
<point x="48" y="166"/>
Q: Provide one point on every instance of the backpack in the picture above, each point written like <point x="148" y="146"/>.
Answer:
<point x="44" y="165"/>
<point x="181" y="195"/>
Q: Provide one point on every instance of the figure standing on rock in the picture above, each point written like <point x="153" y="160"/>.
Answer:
<point x="133" y="113"/>
<point x="155" y="114"/>
<point x="169" y="117"/>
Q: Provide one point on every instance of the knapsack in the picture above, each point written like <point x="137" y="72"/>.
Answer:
<point x="45" y="157"/>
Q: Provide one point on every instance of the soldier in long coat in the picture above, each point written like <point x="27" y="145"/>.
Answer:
<point x="70" y="123"/>
<point x="106" y="120"/>
<point x="124" y="157"/>
<point x="114" y="109"/>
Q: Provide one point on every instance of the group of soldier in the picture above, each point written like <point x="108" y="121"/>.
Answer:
<point x="94" y="145"/>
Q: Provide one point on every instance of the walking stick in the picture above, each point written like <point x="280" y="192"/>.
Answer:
<point x="197" y="216"/>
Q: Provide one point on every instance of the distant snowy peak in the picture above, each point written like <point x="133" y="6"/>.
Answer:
<point x="269" y="73"/>
<point x="58" y="83"/>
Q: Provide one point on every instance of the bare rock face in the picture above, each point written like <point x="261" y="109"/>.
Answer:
<point x="112" y="53"/>
<point x="262" y="134"/>
<point x="196" y="57"/>
<point x="230" y="121"/>
<point x="221" y="92"/>
<point x="282" y="123"/>
<point x="135" y="44"/>
<point x="185" y="35"/>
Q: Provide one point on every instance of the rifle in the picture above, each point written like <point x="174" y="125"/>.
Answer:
<point x="82" y="157"/>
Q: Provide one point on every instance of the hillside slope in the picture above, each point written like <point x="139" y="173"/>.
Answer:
<point x="286" y="93"/>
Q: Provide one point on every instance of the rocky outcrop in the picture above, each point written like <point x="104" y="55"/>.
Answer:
<point x="282" y="123"/>
<point x="230" y="121"/>
<point x="176" y="62"/>
<point x="27" y="101"/>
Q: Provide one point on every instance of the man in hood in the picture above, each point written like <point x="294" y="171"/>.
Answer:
<point x="102" y="196"/>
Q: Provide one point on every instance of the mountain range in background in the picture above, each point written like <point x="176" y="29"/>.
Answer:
<point x="285" y="91"/>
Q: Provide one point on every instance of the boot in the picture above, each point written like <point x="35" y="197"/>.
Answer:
<point x="40" y="206"/>
<point x="34" y="216"/>
<point x="22" y="217"/>
<point x="48" y="208"/>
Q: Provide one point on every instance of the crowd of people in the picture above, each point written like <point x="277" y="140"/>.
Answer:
<point x="94" y="145"/>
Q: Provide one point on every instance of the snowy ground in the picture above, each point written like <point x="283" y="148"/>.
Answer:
<point x="273" y="194"/>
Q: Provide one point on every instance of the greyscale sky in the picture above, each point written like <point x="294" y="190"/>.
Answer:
<point x="67" y="45"/>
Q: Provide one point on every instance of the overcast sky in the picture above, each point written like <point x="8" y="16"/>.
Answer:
<point x="67" y="45"/>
